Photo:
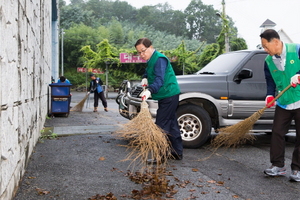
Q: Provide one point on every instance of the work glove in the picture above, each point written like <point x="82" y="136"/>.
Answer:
<point x="144" y="82"/>
<point x="295" y="80"/>
<point x="145" y="94"/>
<point x="268" y="100"/>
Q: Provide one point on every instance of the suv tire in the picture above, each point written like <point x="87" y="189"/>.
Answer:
<point x="194" y="124"/>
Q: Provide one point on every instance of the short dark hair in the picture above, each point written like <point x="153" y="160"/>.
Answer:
<point x="92" y="75"/>
<point x="145" y="41"/>
<point x="269" y="35"/>
<point x="62" y="79"/>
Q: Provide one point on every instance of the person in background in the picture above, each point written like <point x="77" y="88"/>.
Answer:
<point x="96" y="88"/>
<point x="161" y="83"/>
<point x="282" y="68"/>
<point x="63" y="79"/>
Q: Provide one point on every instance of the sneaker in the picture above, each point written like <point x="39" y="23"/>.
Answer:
<point x="175" y="156"/>
<point x="275" y="171"/>
<point x="105" y="109"/>
<point x="295" y="175"/>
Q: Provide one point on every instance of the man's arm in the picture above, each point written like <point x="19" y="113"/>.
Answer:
<point x="271" y="86"/>
<point x="159" y="70"/>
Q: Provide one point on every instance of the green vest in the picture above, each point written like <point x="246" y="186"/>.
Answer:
<point x="170" y="86"/>
<point x="283" y="78"/>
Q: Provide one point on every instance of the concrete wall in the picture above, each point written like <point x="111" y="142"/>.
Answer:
<point x="25" y="71"/>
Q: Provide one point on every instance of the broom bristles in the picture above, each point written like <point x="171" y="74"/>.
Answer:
<point x="146" y="139"/>
<point x="79" y="106"/>
<point x="232" y="136"/>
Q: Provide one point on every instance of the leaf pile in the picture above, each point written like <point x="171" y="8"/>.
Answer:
<point x="155" y="184"/>
<point x="109" y="196"/>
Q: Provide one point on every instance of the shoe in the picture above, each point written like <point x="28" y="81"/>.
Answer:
<point x="275" y="171"/>
<point x="176" y="156"/>
<point x="106" y="110"/>
<point x="295" y="176"/>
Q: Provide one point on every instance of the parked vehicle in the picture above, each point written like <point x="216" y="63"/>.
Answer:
<point x="227" y="90"/>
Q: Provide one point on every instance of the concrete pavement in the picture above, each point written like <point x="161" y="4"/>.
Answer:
<point x="85" y="162"/>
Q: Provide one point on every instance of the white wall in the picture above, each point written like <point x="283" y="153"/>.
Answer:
<point x="25" y="71"/>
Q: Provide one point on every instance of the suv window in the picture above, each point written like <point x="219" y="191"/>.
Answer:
<point x="223" y="64"/>
<point x="256" y="64"/>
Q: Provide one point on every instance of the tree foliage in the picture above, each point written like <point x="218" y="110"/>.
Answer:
<point x="96" y="31"/>
<point x="238" y="44"/>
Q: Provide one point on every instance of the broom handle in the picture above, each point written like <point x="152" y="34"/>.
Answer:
<point x="279" y="95"/>
<point x="144" y="88"/>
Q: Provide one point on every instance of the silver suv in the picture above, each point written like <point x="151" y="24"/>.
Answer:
<point x="229" y="89"/>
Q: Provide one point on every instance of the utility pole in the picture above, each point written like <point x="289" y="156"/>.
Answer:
<point x="226" y="26"/>
<point x="62" y="52"/>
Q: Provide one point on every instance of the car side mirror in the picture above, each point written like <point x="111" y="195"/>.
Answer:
<point x="244" y="74"/>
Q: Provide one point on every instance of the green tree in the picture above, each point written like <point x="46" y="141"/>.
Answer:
<point x="210" y="52"/>
<point x="186" y="61"/>
<point x="89" y="23"/>
<point x="105" y="55"/>
<point x="77" y="2"/>
<point x="73" y="14"/>
<point x="202" y="22"/>
<point x="238" y="44"/>
<point x="116" y="34"/>
<point x="123" y="11"/>
<point x="74" y="39"/>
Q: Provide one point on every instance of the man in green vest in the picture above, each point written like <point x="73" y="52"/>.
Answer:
<point x="161" y="83"/>
<point x="282" y="67"/>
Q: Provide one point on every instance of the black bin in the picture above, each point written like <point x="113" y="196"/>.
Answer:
<point x="60" y="99"/>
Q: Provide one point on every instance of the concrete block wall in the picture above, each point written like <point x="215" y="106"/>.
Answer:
<point x="25" y="71"/>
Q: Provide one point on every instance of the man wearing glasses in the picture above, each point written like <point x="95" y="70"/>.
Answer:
<point x="161" y="83"/>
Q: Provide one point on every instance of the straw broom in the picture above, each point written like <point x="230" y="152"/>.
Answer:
<point x="146" y="139"/>
<point x="80" y="105"/>
<point x="237" y="134"/>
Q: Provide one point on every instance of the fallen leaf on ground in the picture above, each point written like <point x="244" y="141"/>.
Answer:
<point x="212" y="181"/>
<point x="101" y="158"/>
<point x="41" y="191"/>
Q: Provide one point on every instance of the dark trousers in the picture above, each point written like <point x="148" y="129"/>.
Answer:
<point x="282" y="121"/>
<point x="102" y="97"/>
<point x="167" y="120"/>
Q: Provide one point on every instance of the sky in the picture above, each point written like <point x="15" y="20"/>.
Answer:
<point x="248" y="15"/>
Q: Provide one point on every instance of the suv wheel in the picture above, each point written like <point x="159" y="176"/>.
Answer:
<point x="194" y="124"/>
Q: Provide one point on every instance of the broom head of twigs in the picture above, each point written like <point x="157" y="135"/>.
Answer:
<point x="146" y="140"/>
<point x="79" y="106"/>
<point x="235" y="135"/>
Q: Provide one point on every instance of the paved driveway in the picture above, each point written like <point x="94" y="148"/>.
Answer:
<point x="86" y="160"/>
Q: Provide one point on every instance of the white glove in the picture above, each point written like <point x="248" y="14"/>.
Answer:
<point x="144" y="82"/>
<point x="295" y="80"/>
<point x="145" y="94"/>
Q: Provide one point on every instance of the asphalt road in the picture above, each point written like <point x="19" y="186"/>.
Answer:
<point x="88" y="162"/>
